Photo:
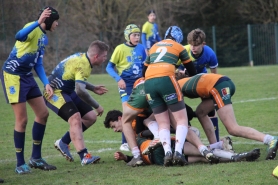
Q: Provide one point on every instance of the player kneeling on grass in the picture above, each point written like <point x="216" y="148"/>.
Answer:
<point x="71" y="100"/>
<point x="156" y="156"/>
<point x="216" y="91"/>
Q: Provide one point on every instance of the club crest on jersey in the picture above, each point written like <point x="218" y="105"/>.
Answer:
<point x="12" y="90"/>
<point x="226" y="93"/>
<point x="55" y="98"/>
<point x="170" y="97"/>
<point x="149" y="99"/>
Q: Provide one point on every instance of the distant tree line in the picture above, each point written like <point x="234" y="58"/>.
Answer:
<point x="82" y="21"/>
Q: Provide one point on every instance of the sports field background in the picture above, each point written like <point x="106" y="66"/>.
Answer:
<point x="255" y="104"/>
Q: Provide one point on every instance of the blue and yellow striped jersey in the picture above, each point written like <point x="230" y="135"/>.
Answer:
<point x="24" y="55"/>
<point x="75" y="68"/>
<point x="129" y="61"/>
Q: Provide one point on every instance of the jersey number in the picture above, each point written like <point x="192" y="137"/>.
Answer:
<point x="162" y="51"/>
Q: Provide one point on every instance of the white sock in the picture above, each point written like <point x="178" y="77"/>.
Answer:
<point x="181" y="133"/>
<point x="135" y="152"/>
<point x="267" y="139"/>
<point x="165" y="139"/>
<point x="218" y="145"/>
<point x="222" y="153"/>
<point x="202" y="148"/>
<point x="153" y="127"/>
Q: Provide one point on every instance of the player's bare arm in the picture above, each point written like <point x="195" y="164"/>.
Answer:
<point x="81" y="91"/>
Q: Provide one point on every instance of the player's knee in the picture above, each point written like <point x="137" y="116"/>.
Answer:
<point x="42" y="117"/>
<point x="233" y="131"/>
<point x="75" y="120"/>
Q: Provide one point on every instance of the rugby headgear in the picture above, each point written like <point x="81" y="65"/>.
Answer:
<point x="53" y="17"/>
<point x="131" y="28"/>
<point x="174" y="32"/>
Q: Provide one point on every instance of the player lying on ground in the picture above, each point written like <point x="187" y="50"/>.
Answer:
<point x="156" y="156"/>
<point x="113" y="120"/>
<point x="137" y="103"/>
<point x="216" y="91"/>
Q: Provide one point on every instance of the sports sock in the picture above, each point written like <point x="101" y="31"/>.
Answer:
<point x="223" y="154"/>
<point x="153" y="127"/>
<point x="181" y="133"/>
<point x="165" y="138"/>
<point x="66" y="138"/>
<point x="202" y="148"/>
<point x="135" y="152"/>
<point x="19" y="140"/>
<point x="82" y="152"/>
<point x="267" y="139"/>
<point x="38" y="133"/>
<point x="218" y="145"/>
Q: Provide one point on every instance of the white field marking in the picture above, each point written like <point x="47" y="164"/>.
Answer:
<point x="254" y="100"/>
<point x="247" y="101"/>
<point x="103" y="141"/>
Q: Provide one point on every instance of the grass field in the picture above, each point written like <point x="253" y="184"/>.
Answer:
<point x="255" y="104"/>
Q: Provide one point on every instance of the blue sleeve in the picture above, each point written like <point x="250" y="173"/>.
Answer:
<point x="40" y="71"/>
<point x="22" y="34"/>
<point x="110" y="70"/>
<point x="144" y="39"/>
<point x="158" y="37"/>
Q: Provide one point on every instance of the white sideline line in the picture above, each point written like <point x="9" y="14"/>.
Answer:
<point x="254" y="100"/>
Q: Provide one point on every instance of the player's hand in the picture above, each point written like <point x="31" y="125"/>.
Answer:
<point x="119" y="156"/>
<point x="46" y="13"/>
<point x="48" y="91"/>
<point x="121" y="84"/>
<point x="100" y="89"/>
<point x="99" y="111"/>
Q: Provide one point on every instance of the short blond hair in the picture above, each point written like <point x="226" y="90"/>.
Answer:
<point x="97" y="47"/>
<point x="196" y="37"/>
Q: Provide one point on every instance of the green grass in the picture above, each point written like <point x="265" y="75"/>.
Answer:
<point x="255" y="103"/>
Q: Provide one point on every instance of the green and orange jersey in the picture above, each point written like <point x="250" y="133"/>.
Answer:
<point x="199" y="85"/>
<point x="163" y="58"/>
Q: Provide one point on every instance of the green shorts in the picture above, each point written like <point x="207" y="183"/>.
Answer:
<point x="222" y="93"/>
<point x="137" y="99"/>
<point x="162" y="91"/>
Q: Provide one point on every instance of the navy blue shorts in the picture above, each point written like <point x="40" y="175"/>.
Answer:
<point x="19" y="88"/>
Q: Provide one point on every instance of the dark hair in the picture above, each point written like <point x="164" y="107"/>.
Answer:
<point x="111" y="115"/>
<point x="150" y="11"/>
